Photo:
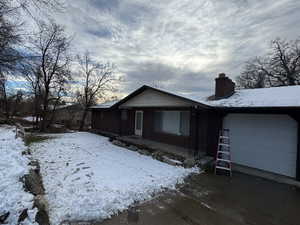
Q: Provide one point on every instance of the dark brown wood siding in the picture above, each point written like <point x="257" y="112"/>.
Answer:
<point x="201" y="132"/>
<point x="127" y="126"/>
<point x="106" y="120"/>
<point x="150" y="133"/>
<point x="298" y="153"/>
<point x="204" y="127"/>
<point x="214" y="124"/>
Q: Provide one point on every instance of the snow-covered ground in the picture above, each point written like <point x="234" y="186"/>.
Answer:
<point x="88" y="178"/>
<point x="29" y="118"/>
<point x="13" y="166"/>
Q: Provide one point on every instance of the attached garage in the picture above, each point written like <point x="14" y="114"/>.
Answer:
<point x="264" y="141"/>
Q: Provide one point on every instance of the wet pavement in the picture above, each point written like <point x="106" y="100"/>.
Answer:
<point x="207" y="199"/>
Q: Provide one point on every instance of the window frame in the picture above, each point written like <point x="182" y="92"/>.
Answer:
<point x="157" y="128"/>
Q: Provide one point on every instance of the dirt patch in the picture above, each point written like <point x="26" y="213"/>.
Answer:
<point x="34" y="138"/>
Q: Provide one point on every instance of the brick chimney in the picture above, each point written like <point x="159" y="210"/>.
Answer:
<point x="224" y="86"/>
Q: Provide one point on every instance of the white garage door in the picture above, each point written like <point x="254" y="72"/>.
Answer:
<point x="267" y="142"/>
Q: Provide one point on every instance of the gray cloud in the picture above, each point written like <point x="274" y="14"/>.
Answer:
<point x="171" y="78"/>
<point x="105" y="5"/>
<point x="180" y="44"/>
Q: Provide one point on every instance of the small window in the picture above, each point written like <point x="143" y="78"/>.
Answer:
<point x="124" y="115"/>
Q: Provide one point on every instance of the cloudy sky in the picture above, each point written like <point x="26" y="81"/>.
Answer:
<point x="180" y="45"/>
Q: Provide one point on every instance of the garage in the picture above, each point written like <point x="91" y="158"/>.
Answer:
<point x="264" y="141"/>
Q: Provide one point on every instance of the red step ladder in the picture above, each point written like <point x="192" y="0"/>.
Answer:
<point x="223" y="158"/>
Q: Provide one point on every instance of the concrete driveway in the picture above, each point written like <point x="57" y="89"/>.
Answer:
<point x="207" y="199"/>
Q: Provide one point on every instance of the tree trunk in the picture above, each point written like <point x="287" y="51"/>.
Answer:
<point x="44" y="112"/>
<point x="82" y="123"/>
<point x="36" y="111"/>
<point x="53" y="113"/>
<point x="6" y="104"/>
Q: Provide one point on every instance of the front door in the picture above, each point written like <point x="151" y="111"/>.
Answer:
<point x="138" y="123"/>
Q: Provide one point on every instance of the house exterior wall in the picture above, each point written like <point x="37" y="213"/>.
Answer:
<point x="204" y="127"/>
<point x="150" y="133"/>
<point x="127" y="126"/>
<point x="151" y="98"/>
<point x="106" y="121"/>
<point x="110" y="121"/>
<point x="214" y="124"/>
<point x="71" y="117"/>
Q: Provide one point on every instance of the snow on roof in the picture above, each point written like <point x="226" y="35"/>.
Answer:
<point x="66" y="105"/>
<point x="288" y="96"/>
<point x="104" y="105"/>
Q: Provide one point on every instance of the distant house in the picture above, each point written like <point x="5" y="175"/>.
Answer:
<point x="71" y="115"/>
<point x="263" y="123"/>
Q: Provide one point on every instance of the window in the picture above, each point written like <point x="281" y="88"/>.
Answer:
<point x="124" y="115"/>
<point x="172" y="122"/>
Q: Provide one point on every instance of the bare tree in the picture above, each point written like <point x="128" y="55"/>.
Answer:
<point x="58" y="92"/>
<point x="280" y="67"/>
<point x="3" y="95"/>
<point x="30" y="69"/>
<point x="9" y="99"/>
<point x="9" y="39"/>
<point x="252" y="76"/>
<point x="95" y="79"/>
<point x="33" y="5"/>
<point x="10" y="36"/>
<point x="52" y="47"/>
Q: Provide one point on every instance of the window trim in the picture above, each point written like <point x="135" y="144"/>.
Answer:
<point x="155" y="130"/>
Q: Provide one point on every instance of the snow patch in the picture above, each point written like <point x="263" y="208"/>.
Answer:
<point x="13" y="166"/>
<point x="88" y="178"/>
<point x="29" y="118"/>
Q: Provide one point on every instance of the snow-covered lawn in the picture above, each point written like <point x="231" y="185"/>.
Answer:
<point x="88" y="178"/>
<point x="29" y="118"/>
<point x="13" y="166"/>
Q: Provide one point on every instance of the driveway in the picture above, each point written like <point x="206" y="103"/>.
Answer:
<point x="207" y="199"/>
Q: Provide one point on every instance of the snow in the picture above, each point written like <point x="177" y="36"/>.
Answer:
<point x="88" y="178"/>
<point x="287" y="96"/>
<point x="13" y="167"/>
<point x="104" y="105"/>
<point x="173" y="160"/>
<point x="29" y="118"/>
<point x="262" y="97"/>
